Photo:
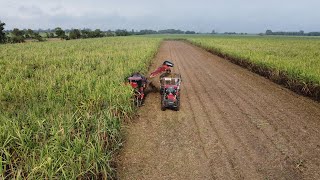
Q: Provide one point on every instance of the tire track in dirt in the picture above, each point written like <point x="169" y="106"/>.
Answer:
<point x="233" y="124"/>
<point x="289" y="147"/>
<point x="227" y="123"/>
<point x="201" y="83"/>
<point x="197" y="113"/>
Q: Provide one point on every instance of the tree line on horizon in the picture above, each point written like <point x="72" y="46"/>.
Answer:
<point x="298" y="33"/>
<point x="18" y="36"/>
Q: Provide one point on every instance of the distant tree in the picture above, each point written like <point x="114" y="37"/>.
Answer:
<point x="97" y="33"/>
<point x="17" y="36"/>
<point x="146" y="31"/>
<point x="37" y="36"/>
<point x="269" y="32"/>
<point x="51" y="35"/>
<point x="17" y="32"/>
<point x="313" y="34"/>
<point x="60" y="33"/>
<point x="285" y="33"/>
<point x="85" y="33"/>
<point x="171" y="31"/>
<point x="122" y="32"/>
<point x="110" y="33"/>
<point x="2" y="33"/>
<point x="190" y="32"/>
<point x="17" y="39"/>
<point x="29" y="33"/>
<point x="75" y="34"/>
<point x="301" y="32"/>
<point x="213" y="32"/>
<point x="230" y="33"/>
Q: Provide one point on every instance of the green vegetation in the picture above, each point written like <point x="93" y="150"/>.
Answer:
<point x="295" y="60"/>
<point x="2" y="34"/>
<point x="60" y="33"/>
<point x="62" y="103"/>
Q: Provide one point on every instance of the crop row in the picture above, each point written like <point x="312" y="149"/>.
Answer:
<point x="61" y="105"/>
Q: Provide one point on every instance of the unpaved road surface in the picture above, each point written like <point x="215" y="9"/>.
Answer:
<point x="233" y="124"/>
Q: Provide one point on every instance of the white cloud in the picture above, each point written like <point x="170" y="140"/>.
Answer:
<point x="200" y="15"/>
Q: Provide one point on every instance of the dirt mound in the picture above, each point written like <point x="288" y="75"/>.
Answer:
<point x="233" y="124"/>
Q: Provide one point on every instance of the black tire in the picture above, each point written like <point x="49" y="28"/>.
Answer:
<point x="136" y="102"/>
<point x="163" y="106"/>
<point x="139" y="102"/>
<point x="161" y="91"/>
<point x="178" y="104"/>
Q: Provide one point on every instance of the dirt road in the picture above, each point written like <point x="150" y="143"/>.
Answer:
<point x="233" y="124"/>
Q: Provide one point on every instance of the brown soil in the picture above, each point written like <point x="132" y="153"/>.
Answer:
<point x="309" y="88"/>
<point x="233" y="124"/>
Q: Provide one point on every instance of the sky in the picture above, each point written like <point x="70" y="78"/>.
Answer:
<point x="251" y="16"/>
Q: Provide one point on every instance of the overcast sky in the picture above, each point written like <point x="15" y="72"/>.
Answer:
<point x="199" y="15"/>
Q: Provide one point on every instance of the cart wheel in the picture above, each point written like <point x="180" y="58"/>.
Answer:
<point x="163" y="107"/>
<point x="136" y="102"/>
<point x="178" y="105"/>
<point x="139" y="102"/>
<point x="161" y="91"/>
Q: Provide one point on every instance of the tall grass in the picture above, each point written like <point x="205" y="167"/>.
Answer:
<point x="62" y="103"/>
